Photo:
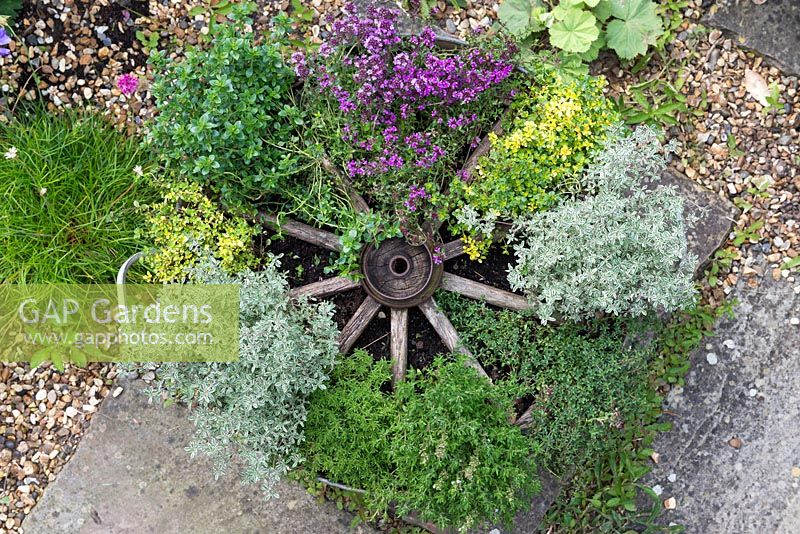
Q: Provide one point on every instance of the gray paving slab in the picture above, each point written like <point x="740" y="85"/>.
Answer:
<point x="771" y="28"/>
<point x="743" y="391"/>
<point x="131" y="475"/>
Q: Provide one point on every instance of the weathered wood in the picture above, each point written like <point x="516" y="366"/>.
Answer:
<point x="302" y="231"/>
<point x="357" y="324"/>
<point x="524" y="420"/>
<point x="400" y="275"/>
<point x="448" y="333"/>
<point x="453" y="249"/>
<point x="324" y="288"/>
<point x="399" y="343"/>
<point x="476" y="290"/>
<point x="358" y="202"/>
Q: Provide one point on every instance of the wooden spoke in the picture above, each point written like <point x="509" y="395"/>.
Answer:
<point x="359" y="204"/>
<point x="399" y="343"/>
<point x="324" y="288"/>
<point x="453" y="249"/>
<point x="524" y="420"/>
<point x="304" y="232"/>
<point x="357" y="324"/>
<point x="476" y="290"/>
<point x="448" y="333"/>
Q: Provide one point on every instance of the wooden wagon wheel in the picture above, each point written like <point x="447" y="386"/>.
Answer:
<point x="400" y="276"/>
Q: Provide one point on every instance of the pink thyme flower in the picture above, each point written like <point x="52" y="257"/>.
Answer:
<point x="438" y="255"/>
<point x="128" y="83"/>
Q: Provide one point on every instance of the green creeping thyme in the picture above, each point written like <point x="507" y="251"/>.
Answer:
<point x="622" y="251"/>
<point x="458" y="461"/>
<point x="553" y="129"/>
<point x="607" y="493"/>
<point x="347" y="428"/>
<point x="255" y="408"/>
<point x="225" y="115"/>
<point x="584" y="385"/>
<point x="585" y="388"/>
<point x="186" y="227"/>
<point x="441" y="446"/>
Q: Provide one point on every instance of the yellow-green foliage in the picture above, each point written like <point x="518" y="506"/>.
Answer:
<point x="186" y="227"/>
<point x="552" y="130"/>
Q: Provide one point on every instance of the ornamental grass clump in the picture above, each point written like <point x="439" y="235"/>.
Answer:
<point x="551" y="131"/>
<point x="255" y="408"/>
<point x="226" y="117"/>
<point x="69" y="189"/>
<point x="620" y="251"/>
<point x="393" y="110"/>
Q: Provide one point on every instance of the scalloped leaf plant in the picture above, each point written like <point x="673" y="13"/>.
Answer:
<point x="575" y="31"/>
<point x="582" y="28"/>
<point x="634" y="27"/>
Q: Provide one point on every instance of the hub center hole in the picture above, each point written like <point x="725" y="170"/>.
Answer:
<point x="398" y="265"/>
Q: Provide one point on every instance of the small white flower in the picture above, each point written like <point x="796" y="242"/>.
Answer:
<point x="138" y="171"/>
<point x="42" y="191"/>
<point x="11" y="153"/>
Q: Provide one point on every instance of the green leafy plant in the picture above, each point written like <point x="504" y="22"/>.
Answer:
<point x="149" y="39"/>
<point x="186" y="228"/>
<point x="657" y="101"/>
<point x="365" y="229"/>
<point x="255" y="408"/>
<point x="621" y="251"/>
<point x="720" y="265"/>
<point x="583" y="383"/>
<point x="226" y="115"/>
<point x="457" y="464"/>
<point x="584" y="27"/>
<point x="9" y="10"/>
<point x="774" y="97"/>
<point x="606" y="493"/>
<point x="221" y="8"/>
<point x="69" y="187"/>
<point x="347" y="428"/>
<point x="733" y="149"/>
<point x="749" y="234"/>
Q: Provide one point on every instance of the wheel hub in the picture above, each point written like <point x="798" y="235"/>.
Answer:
<point x="400" y="275"/>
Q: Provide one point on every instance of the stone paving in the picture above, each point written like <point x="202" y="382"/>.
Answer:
<point x="732" y="459"/>
<point x="131" y="475"/>
<point x="772" y="28"/>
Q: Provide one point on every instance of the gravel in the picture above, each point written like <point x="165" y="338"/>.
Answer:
<point x="43" y="414"/>
<point x="760" y="174"/>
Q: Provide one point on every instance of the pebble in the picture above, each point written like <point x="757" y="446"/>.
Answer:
<point x="711" y="358"/>
<point x="672" y="477"/>
<point x="794" y="321"/>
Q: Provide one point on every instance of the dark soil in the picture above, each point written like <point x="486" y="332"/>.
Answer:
<point x="119" y="30"/>
<point x="492" y="271"/>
